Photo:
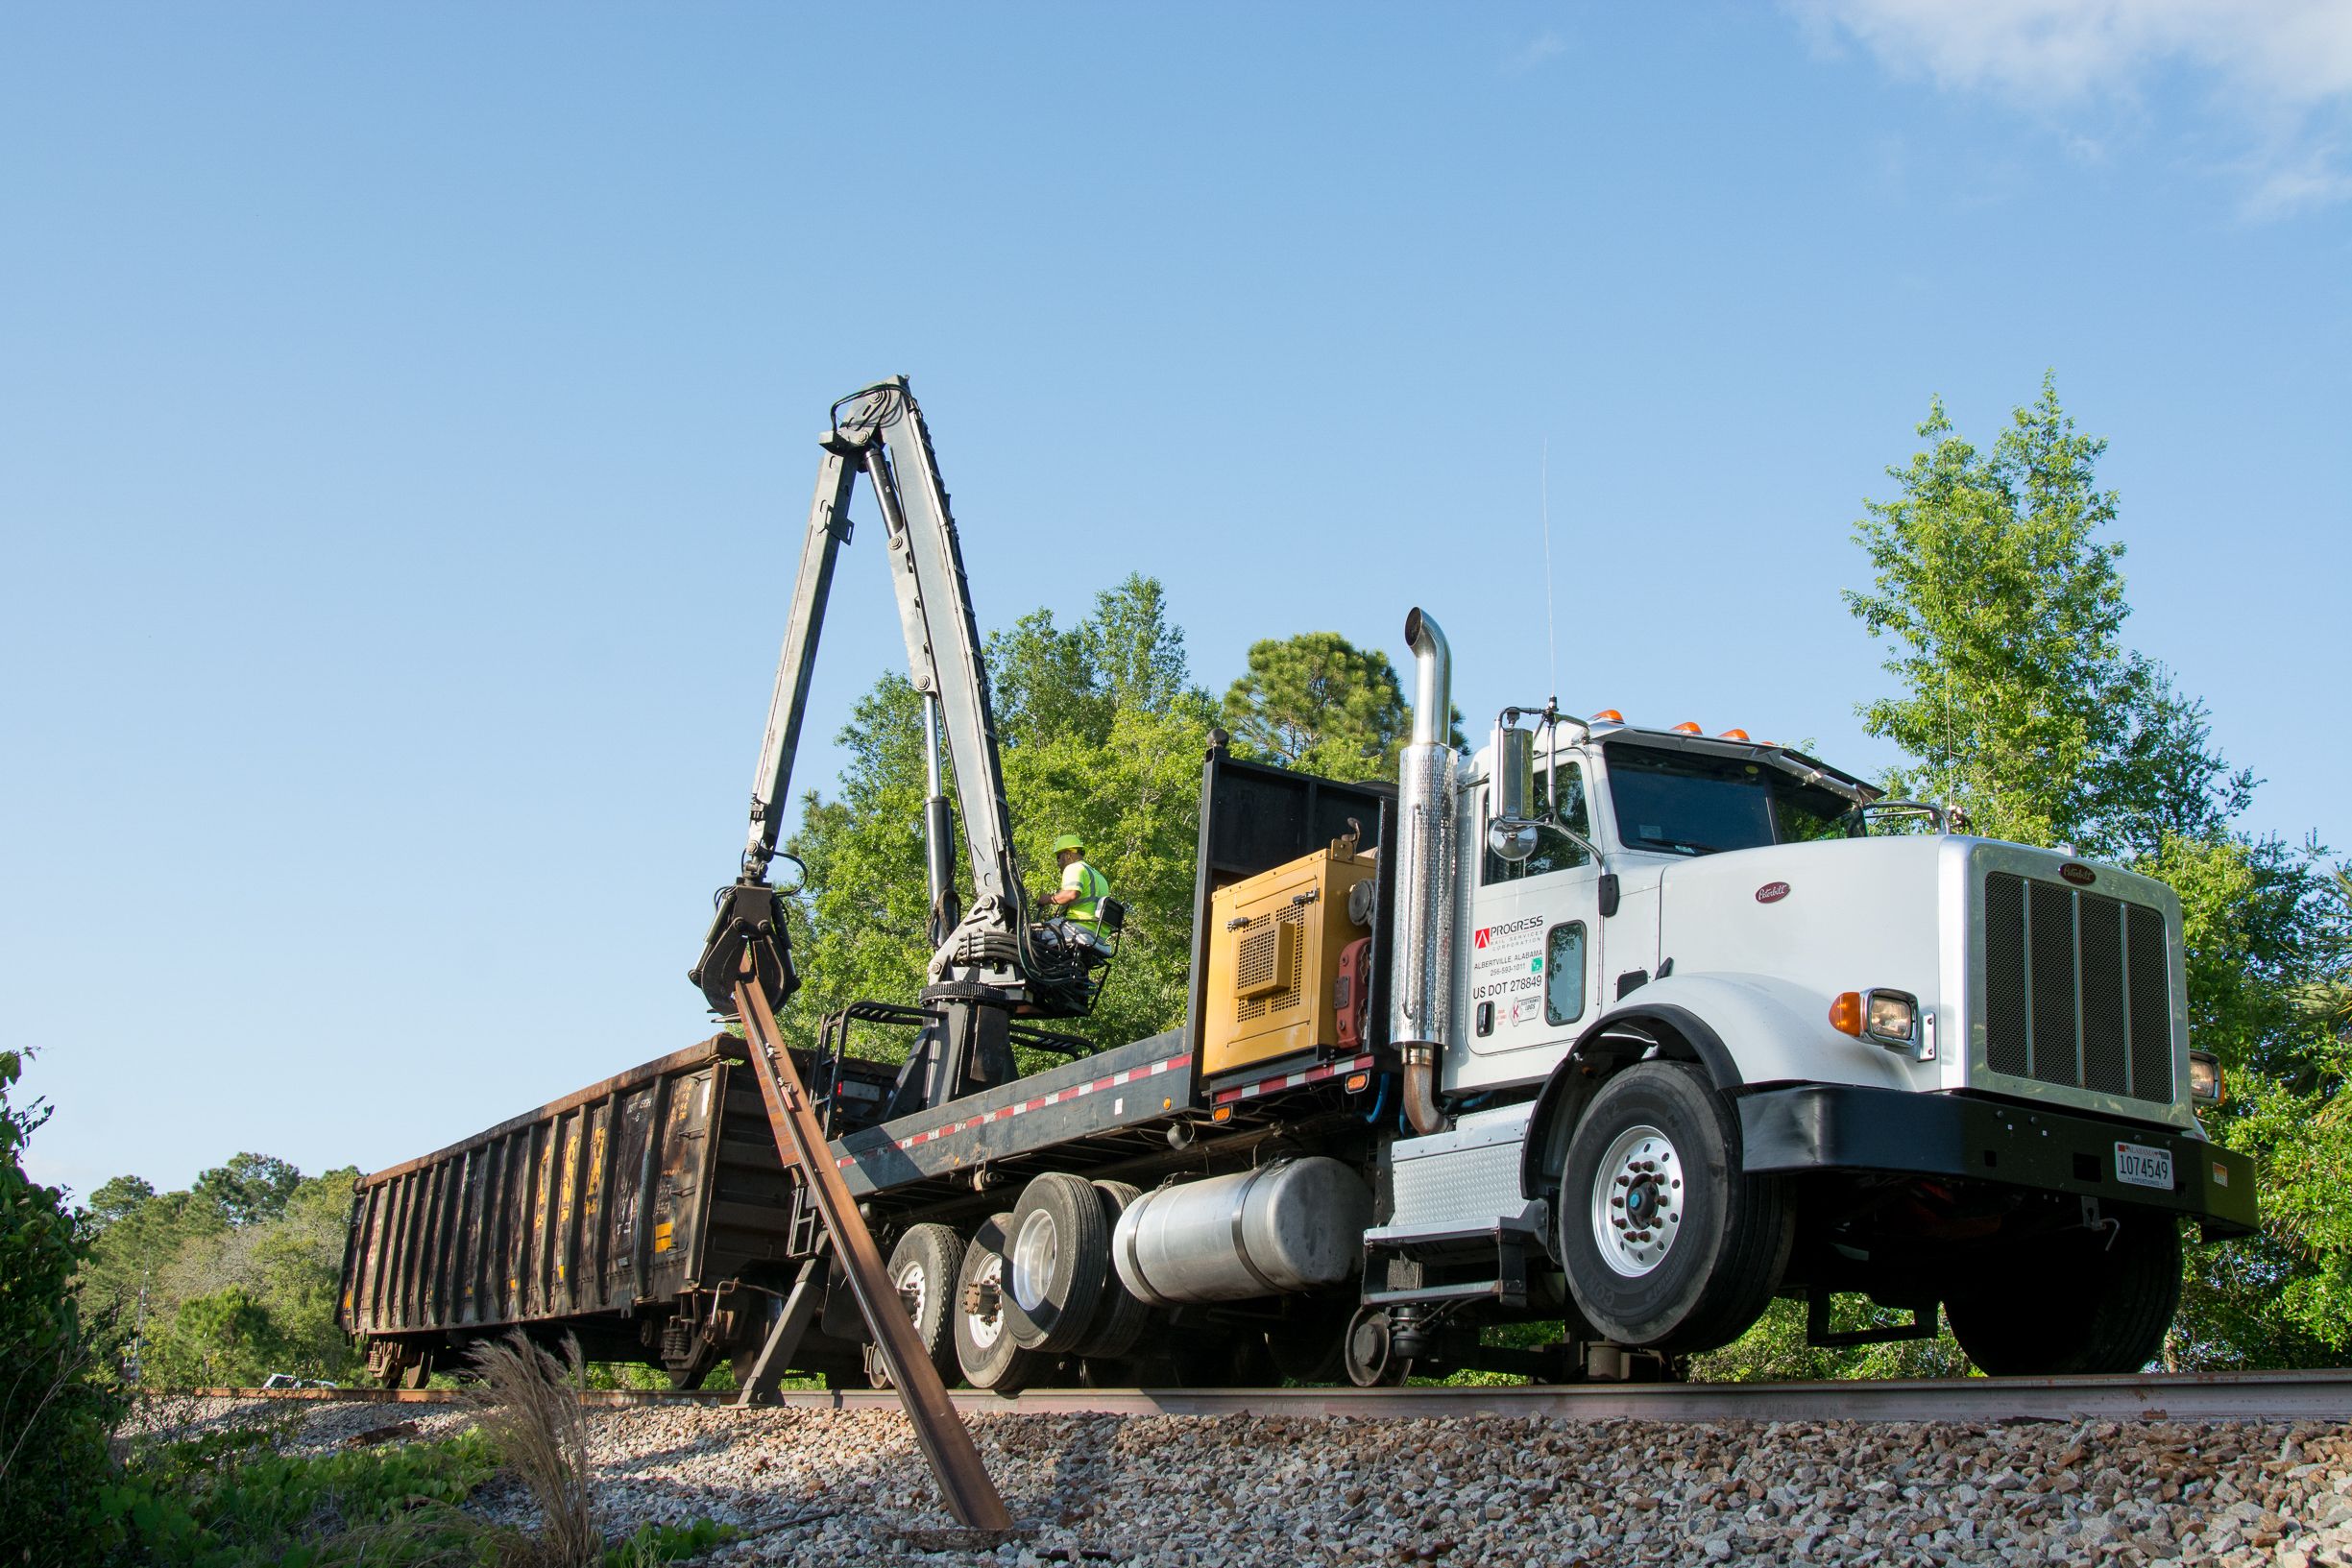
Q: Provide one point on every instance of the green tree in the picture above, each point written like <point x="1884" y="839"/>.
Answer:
<point x="224" y="1340"/>
<point x="2019" y="699"/>
<point x="2004" y="607"/>
<point x="248" y="1188"/>
<point x="148" y="1258"/>
<point x="115" y="1200"/>
<point x="1102" y="734"/>
<point x="52" y="1419"/>
<point x="1317" y="703"/>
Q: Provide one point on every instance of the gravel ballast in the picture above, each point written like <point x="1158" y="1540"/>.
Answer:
<point x="849" y="1488"/>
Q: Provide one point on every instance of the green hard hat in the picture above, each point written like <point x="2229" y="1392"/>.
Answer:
<point x="1069" y="841"/>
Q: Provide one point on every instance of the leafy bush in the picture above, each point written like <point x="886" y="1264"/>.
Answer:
<point x="230" y="1500"/>
<point x="53" y="1420"/>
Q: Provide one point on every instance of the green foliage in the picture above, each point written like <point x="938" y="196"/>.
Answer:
<point x="53" y="1420"/>
<point x="1102" y="734"/>
<point x="1317" y="703"/>
<point x="2270" y="956"/>
<point x="1774" y="1349"/>
<point x="249" y="1189"/>
<point x="230" y="1500"/>
<point x="656" y="1542"/>
<point x="2004" y="606"/>
<point x="224" y="1339"/>
<point x="221" y="1284"/>
<point x="2020" y="701"/>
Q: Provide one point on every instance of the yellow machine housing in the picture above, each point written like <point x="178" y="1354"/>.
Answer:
<point x="1275" y="943"/>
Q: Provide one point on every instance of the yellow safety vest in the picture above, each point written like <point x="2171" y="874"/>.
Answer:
<point x="1091" y="886"/>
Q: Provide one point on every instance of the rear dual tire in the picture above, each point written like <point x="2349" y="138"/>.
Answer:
<point x="924" y="1270"/>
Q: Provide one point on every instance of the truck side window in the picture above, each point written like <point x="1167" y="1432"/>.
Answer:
<point x="1563" y="973"/>
<point x="1553" y="852"/>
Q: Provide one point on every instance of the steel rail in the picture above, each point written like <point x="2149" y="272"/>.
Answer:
<point x="2186" y="1396"/>
<point x="938" y="1425"/>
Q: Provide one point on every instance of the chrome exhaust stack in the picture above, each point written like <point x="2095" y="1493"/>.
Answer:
<point x="1421" y="960"/>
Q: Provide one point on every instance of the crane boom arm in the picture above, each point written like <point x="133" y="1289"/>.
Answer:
<point x="788" y="705"/>
<point x="880" y="432"/>
<point x="943" y="646"/>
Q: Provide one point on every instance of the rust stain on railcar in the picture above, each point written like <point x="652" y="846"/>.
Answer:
<point x="654" y="1182"/>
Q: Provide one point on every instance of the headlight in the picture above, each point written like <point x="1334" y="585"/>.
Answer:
<point x="1890" y="1017"/>
<point x="2205" y="1085"/>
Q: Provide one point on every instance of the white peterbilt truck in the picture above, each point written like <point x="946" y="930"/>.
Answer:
<point x="1623" y="1029"/>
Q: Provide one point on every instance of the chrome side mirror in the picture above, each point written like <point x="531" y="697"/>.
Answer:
<point x="1514" y="773"/>
<point x="1513" y="841"/>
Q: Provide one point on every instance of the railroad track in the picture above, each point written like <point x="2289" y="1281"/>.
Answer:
<point x="2189" y="1396"/>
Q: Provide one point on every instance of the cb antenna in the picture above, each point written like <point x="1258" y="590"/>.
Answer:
<point x="1551" y="629"/>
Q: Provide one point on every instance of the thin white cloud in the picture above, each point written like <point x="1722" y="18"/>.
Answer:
<point x="1543" y="47"/>
<point x="2278" y="71"/>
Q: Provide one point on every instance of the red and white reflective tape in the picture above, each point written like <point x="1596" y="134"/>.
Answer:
<point x="1292" y="1080"/>
<point x="1116" y="1081"/>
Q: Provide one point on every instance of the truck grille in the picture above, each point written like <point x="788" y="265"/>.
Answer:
<point x="2076" y="991"/>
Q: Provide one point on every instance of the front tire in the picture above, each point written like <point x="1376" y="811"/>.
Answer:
<point x="1668" y="1243"/>
<point x="2071" y="1302"/>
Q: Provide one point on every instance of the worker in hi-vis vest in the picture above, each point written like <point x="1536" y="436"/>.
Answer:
<point x="1083" y="889"/>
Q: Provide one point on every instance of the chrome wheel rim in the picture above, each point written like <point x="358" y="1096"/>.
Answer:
<point x="1034" y="1252"/>
<point x="1637" y="1201"/>
<point x="986" y="1326"/>
<point x="913" y="1289"/>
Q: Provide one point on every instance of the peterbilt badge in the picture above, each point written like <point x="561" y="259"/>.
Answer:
<point x="2080" y="876"/>
<point x="1772" y="893"/>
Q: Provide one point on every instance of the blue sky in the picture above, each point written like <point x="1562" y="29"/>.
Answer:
<point x="405" y="423"/>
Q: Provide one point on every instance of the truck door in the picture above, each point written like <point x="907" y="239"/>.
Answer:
<point x="1533" y="945"/>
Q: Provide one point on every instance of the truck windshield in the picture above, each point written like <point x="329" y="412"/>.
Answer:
<point x="1688" y="803"/>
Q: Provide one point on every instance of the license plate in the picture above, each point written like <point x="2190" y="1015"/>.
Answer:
<point x="2136" y="1165"/>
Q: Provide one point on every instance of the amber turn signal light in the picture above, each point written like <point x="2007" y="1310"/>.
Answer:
<point x="1846" y="1013"/>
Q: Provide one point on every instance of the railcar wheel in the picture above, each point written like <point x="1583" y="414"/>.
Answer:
<point x="985" y="1350"/>
<point x="924" y="1269"/>
<point x="1118" y="1318"/>
<point x="689" y="1376"/>
<point x="2073" y="1302"/>
<point x="1368" y="1355"/>
<point x="1058" y="1255"/>
<point x="1667" y="1242"/>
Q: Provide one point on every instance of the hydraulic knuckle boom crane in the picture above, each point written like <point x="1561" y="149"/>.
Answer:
<point x="989" y="964"/>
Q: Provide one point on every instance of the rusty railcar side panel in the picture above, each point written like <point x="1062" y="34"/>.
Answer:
<point x="619" y="1198"/>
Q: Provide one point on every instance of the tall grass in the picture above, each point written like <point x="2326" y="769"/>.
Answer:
<point x="529" y="1400"/>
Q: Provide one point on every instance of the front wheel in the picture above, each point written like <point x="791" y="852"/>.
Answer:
<point x="1668" y="1243"/>
<point x="2072" y="1302"/>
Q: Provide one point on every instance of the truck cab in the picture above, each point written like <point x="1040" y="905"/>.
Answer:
<point x="1747" y="1029"/>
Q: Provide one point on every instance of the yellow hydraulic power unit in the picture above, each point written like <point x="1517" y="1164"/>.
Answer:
<point x="1275" y="943"/>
